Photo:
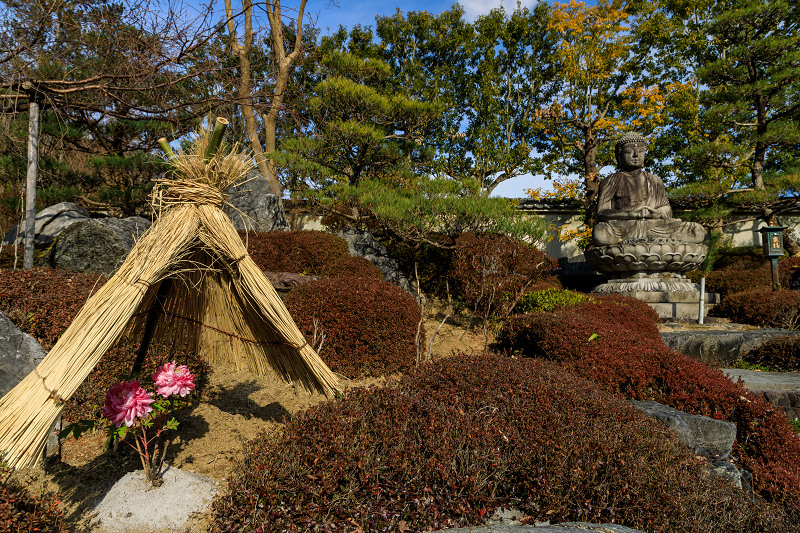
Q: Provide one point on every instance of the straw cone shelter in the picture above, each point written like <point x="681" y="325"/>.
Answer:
<point x="192" y="269"/>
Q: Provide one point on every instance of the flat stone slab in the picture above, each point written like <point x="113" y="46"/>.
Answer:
<point x="758" y="381"/>
<point x="132" y="504"/>
<point x="720" y="346"/>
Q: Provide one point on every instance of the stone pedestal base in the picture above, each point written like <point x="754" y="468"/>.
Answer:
<point x="672" y="295"/>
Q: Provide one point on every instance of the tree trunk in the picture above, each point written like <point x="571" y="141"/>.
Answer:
<point x="591" y="180"/>
<point x="757" y="172"/>
<point x="242" y="51"/>
<point x="30" y="194"/>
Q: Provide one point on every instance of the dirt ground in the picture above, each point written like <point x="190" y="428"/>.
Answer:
<point x="235" y="407"/>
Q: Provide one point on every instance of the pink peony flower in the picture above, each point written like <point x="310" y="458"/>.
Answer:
<point x="170" y="379"/>
<point x="126" y="402"/>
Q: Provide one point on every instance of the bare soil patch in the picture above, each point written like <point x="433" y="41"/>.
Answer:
<point x="235" y="408"/>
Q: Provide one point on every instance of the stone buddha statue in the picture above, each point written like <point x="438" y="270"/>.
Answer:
<point x="632" y="203"/>
<point x="636" y="239"/>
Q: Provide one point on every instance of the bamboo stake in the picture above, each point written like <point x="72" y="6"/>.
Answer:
<point x="220" y="126"/>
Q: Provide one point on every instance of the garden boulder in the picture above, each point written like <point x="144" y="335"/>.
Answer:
<point x="253" y="206"/>
<point x="50" y="222"/>
<point x="707" y="437"/>
<point x="19" y="354"/>
<point x="97" y="245"/>
<point x="719" y="346"/>
<point x="363" y="244"/>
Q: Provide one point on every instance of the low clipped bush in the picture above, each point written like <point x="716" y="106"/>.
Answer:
<point x="352" y="266"/>
<point x="370" y="325"/>
<point x="42" y="302"/>
<point x="21" y="510"/>
<point x="761" y="307"/>
<point x="491" y="271"/>
<point x="305" y="252"/>
<point x="779" y="353"/>
<point x="749" y="271"/>
<point x="548" y="300"/>
<point x="457" y="439"/>
<point x="265" y="254"/>
<point x="614" y="342"/>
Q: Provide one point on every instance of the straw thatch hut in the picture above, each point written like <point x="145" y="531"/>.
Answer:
<point x="188" y="278"/>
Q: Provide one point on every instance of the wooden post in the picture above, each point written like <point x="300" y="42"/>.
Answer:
<point x="33" y="167"/>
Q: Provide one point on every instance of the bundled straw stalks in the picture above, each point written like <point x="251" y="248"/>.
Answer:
<point x="216" y="297"/>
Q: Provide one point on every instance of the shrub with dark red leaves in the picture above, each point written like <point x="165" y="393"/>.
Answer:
<point x="780" y="353"/>
<point x="265" y="254"/>
<point x="21" y="510"/>
<point x="43" y="302"/>
<point x="306" y="252"/>
<point x="460" y="438"/>
<point x="614" y="342"/>
<point x="492" y="270"/>
<point x="369" y="324"/>
<point x="761" y="307"/>
<point x="749" y="272"/>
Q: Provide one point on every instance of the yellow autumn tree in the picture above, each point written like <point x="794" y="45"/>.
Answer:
<point x="600" y="95"/>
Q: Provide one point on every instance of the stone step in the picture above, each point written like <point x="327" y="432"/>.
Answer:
<point x="781" y="389"/>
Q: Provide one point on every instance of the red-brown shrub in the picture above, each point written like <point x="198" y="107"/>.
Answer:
<point x="780" y="353"/>
<point x="20" y="510"/>
<point x="265" y="254"/>
<point x="369" y="324"/>
<point x="761" y="307"/>
<point x="311" y="252"/>
<point x="352" y="266"/>
<point x="492" y="270"/>
<point x="614" y="342"/>
<point x="459" y="438"/>
<point x="42" y="302"/>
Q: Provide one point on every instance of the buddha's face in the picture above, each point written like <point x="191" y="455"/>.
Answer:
<point x="631" y="156"/>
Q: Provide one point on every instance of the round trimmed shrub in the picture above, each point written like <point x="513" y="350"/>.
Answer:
<point x="780" y="353"/>
<point x="369" y="324"/>
<point x="491" y="270"/>
<point x="457" y="439"/>
<point x="761" y="307"/>
<point x="548" y="300"/>
<point x="614" y="342"/>
<point x="265" y="254"/>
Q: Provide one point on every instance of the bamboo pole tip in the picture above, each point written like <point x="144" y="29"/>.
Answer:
<point x="161" y="140"/>
<point x="223" y="121"/>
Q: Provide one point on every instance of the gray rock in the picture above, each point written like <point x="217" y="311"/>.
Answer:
<point x="50" y="222"/>
<point x="719" y="346"/>
<point x="19" y="354"/>
<point x="564" y="527"/>
<point x="788" y="401"/>
<point x="132" y="505"/>
<point x="97" y="245"/>
<point x="363" y="244"/>
<point x="705" y="436"/>
<point x="253" y="206"/>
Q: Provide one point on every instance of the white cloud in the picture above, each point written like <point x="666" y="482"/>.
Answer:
<point x="474" y="8"/>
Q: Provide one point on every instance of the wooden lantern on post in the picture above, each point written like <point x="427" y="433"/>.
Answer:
<point x="772" y="242"/>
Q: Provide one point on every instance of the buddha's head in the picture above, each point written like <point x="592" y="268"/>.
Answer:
<point x="630" y="150"/>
